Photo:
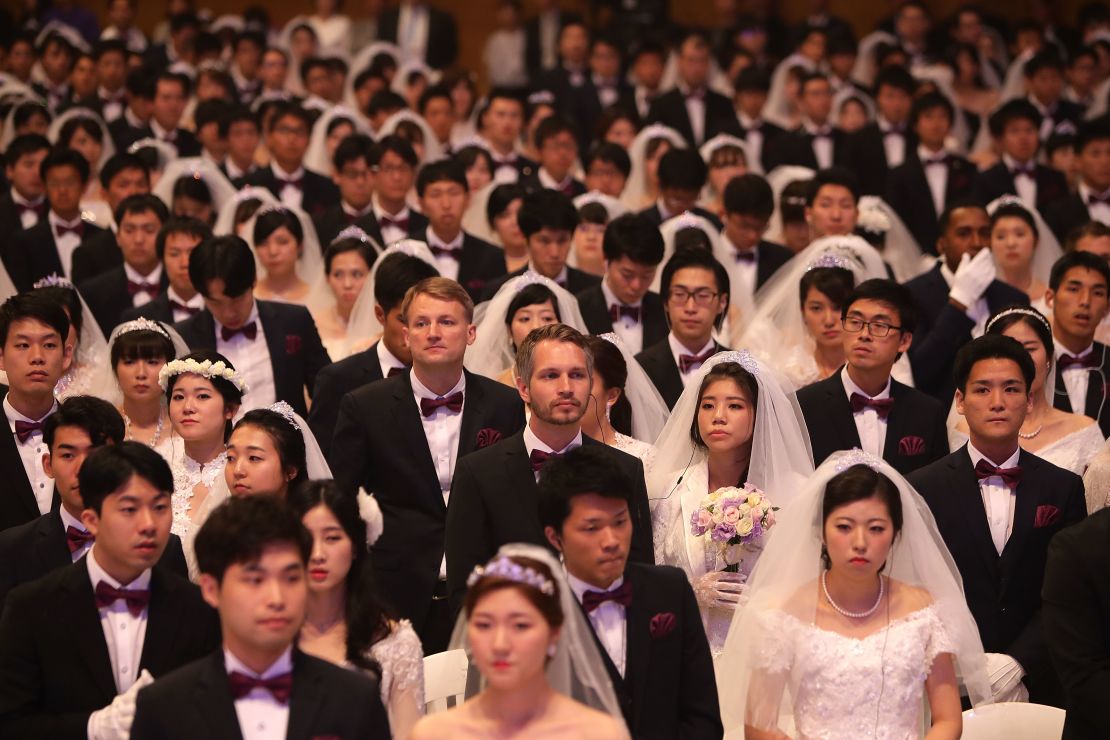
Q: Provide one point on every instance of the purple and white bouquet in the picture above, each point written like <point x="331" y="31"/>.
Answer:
<point x="732" y="518"/>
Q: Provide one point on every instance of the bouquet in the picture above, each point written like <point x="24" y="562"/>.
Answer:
<point x="732" y="518"/>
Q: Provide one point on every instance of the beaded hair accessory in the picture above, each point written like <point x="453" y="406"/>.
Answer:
<point x="285" y="411"/>
<point x="206" y="369"/>
<point x="141" y="324"/>
<point x="837" y="254"/>
<point x="854" y="457"/>
<point x="1006" y="200"/>
<point x="353" y="232"/>
<point x="1030" y="312"/>
<point x="272" y="208"/>
<point x="54" y="280"/>
<point x="371" y="514"/>
<point x="503" y="567"/>
<point x="741" y="357"/>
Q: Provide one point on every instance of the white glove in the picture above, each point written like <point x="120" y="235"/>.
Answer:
<point x="113" y="722"/>
<point x="1005" y="675"/>
<point x="973" y="276"/>
<point x="720" y="590"/>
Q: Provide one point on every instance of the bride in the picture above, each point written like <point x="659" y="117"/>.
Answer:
<point x="734" y="424"/>
<point x="855" y="616"/>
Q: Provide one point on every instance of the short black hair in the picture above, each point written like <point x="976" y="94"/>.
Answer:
<point x="352" y="148"/>
<point x="835" y="175"/>
<point x="682" y="169"/>
<point x="120" y="162"/>
<point x="547" y="209"/>
<point x="210" y="111"/>
<point x="946" y="215"/>
<point x="180" y="225"/>
<point x="553" y="126"/>
<point x="635" y="237"/>
<point x="445" y="170"/>
<point x="142" y="203"/>
<point x="610" y="153"/>
<point x="384" y="101"/>
<point x="236" y="114"/>
<point x="887" y="292"/>
<point x="897" y="77"/>
<point x="752" y="79"/>
<point x="268" y="221"/>
<point x="399" y="146"/>
<point x="65" y="157"/>
<point x="109" y="46"/>
<point x="109" y="468"/>
<point x="226" y="258"/>
<point x="23" y="145"/>
<point x="96" y="417"/>
<point x="533" y="294"/>
<point x="1073" y="259"/>
<point x="1091" y="131"/>
<point x="290" y="109"/>
<point x="1013" y="110"/>
<point x="310" y="63"/>
<point x="348" y="244"/>
<point x="140" y="83"/>
<point x="178" y="78"/>
<point x="193" y="188"/>
<point x="931" y="101"/>
<point x="1046" y="58"/>
<point x="500" y="198"/>
<point x="684" y="258"/>
<point x="239" y="529"/>
<point x="991" y="347"/>
<point x="808" y="77"/>
<point x="749" y="195"/>
<point x="431" y="93"/>
<point x="397" y="273"/>
<point x="583" y="470"/>
<point x="33" y="305"/>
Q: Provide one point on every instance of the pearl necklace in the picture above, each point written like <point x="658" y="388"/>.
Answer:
<point x="1031" y="434"/>
<point x="157" y="430"/>
<point x="845" y="612"/>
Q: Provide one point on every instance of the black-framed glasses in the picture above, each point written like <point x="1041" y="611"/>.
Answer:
<point x="702" y="297"/>
<point x="877" y="329"/>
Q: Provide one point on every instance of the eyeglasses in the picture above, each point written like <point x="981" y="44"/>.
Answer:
<point x="877" y="329"/>
<point x="703" y="297"/>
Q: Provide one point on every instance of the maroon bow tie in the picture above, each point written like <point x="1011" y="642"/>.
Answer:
<point x="455" y="254"/>
<point x="78" y="538"/>
<point x="622" y="595"/>
<point x="698" y="94"/>
<point x="29" y="208"/>
<point x="61" y="230"/>
<point x="1094" y="199"/>
<point x="824" y="133"/>
<point x="618" y="310"/>
<point x="136" y="599"/>
<point x="280" y="687"/>
<point x="513" y="162"/>
<point x="1088" y="361"/>
<point x="895" y="131"/>
<point x="1010" y="476"/>
<point x="297" y="182"/>
<point x="1018" y="170"/>
<point x="454" y="404"/>
<point x="349" y="217"/>
<point x="882" y="406"/>
<point x="397" y="223"/>
<point x="937" y="159"/>
<point x="537" y="458"/>
<point x="24" y="429"/>
<point x="178" y="306"/>
<point x="396" y="371"/>
<point x="151" y="289"/>
<point x="747" y="255"/>
<point x="249" y="330"/>
<point x="686" y="363"/>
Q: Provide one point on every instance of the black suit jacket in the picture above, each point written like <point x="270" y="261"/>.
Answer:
<point x="595" y="312"/>
<point x="33" y="254"/>
<point x="916" y="434"/>
<point x="10" y="220"/>
<point x="108" y="298"/>
<point x="158" y="309"/>
<point x="30" y="551"/>
<point x="1096" y="404"/>
<point x="1066" y="214"/>
<point x="533" y="49"/>
<point x="531" y="183"/>
<point x="796" y="148"/>
<point x="318" y="193"/>
<point x="124" y="134"/>
<point x="577" y="280"/>
<point x="907" y="192"/>
<point x="96" y="256"/>
<point x="658" y="362"/>
<point x="327" y="701"/>
<point x="1004" y="591"/>
<point x="296" y="352"/>
<point x="770" y="134"/>
<point x="495" y="500"/>
<point x="668" y="689"/>
<point x="942" y="329"/>
<point x="997" y="181"/>
<point x="1076" y="618"/>
<point x="329" y="223"/>
<point x="867" y="150"/>
<point x="670" y="110"/>
<point x="54" y="664"/>
<point x="18" y="504"/>
<point x="771" y="257"/>
<point x="481" y="265"/>
<point x="442" y="48"/>
<point x="335" y="381"/>
<point x="392" y="461"/>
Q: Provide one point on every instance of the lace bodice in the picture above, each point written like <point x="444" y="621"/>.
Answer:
<point x="402" y="661"/>
<point x="636" y="448"/>
<point x="187" y="475"/>
<point x="1073" y="452"/>
<point x="843" y="687"/>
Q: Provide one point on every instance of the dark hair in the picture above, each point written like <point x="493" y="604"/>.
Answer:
<point x="180" y="225"/>
<point x="1095" y="229"/>
<point x="792" y="201"/>
<point x="1031" y="317"/>
<point x="210" y="111"/>
<point x="592" y="212"/>
<point x="96" y="417"/>
<point x="83" y="123"/>
<point x="749" y="195"/>
<point x="546" y="209"/>
<point x="290" y="109"/>
<point x="547" y="605"/>
<point x="836" y="175"/>
<point x="239" y="529"/>
<point x="110" y="467"/>
<point x="431" y="93"/>
<point x="896" y="77"/>
<point x="1092" y="131"/>
<point x="888" y="292"/>
<point x="533" y="294"/>
<point x="287" y="440"/>
<point x="991" y="347"/>
<point x="1057" y="141"/>
<point x="107" y="46"/>
<point x="36" y="305"/>
<point x="385" y="101"/>
<point x="142" y="344"/>
<point x="120" y="162"/>
<point x="25" y="111"/>
<point x="859" y="483"/>
<point x="352" y="148"/>
<point x="1015" y="210"/>
<point x="177" y="78"/>
<point x="808" y="77"/>
<point x="397" y="273"/>
<point x="442" y="171"/>
<point x="611" y="368"/>
<point x="752" y="79"/>
<point x="66" y="297"/>
<point x="500" y="198"/>
<point x="236" y="114"/>
<point x="308" y="64"/>
<point x="692" y="237"/>
<point x="610" y="116"/>
<point x="1046" y="58"/>
<point x="585" y="469"/>
<point x="266" y="223"/>
<point x="931" y="101"/>
<point x="231" y="395"/>
<point x="24" y="145"/>
<point x="468" y="156"/>
<point x="1010" y="111"/>
<point x="682" y="169"/>
<point x="226" y="258"/>
<point x="142" y="203"/>
<point x="735" y="372"/>
<point x="345" y="245"/>
<point x="836" y="283"/>
<point x="65" y="157"/>
<point x="610" y="153"/>
<point x="695" y="258"/>
<point x="193" y="188"/>
<point x="634" y="236"/>
<point x="945" y="216"/>
<point x="1073" y="259"/>
<point x="553" y="126"/>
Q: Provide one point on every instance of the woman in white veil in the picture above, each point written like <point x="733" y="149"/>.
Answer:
<point x="157" y="154"/>
<point x="16" y="94"/>
<point x="781" y="661"/>
<point x="882" y="228"/>
<point x="779" y="108"/>
<point x="360" y="63"/>
<point x="229" y="221"/>
<point x="272" y="222"/>
<point x="90" y="372"/>
<point x="590" y="242"/>
<point x="428" y="150"/>
<point x="867" y="66"/>
<point x="638" y="193"/>
<point x="219" y="187"/>
<point x="779" y="460"/>
<point x="778" y="179"/>
<point x="725" y="157"/>
<point x="1047" y="247"/>
<point x="363" y="327"/>
<point x="106" y="145"/>
<point x="325" y="137"/>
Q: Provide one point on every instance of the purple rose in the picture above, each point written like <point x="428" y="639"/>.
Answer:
<point x="723" y="532"/>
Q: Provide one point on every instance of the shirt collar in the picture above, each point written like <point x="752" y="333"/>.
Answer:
<point x="923" y="153"/>
<point x="885" y="125"/>
<point x="678" y="348"/>
<point x="197" y="301"/>
<point x="561" y="278"/>
<point x="435" y="241"/>
<point x="105" y="94"/>
<point x="1012" y="163"/>
<point x="422" y="391"/>
<point x="387" y="358"/>
<point x="731" y="248"/>
<point x="253" y="317"/>
<point x="850" y="387"/>
<point x="281" y="666"/>
<point x="98" y="574"/>
<point x="580" y="587"/>
<point x="547" y="181"/>
<point x="283" y="175"/>
<point x="20" y="200"/>
<point x="611" y="297"/>
<point x="380" y="213"/>
<point x="68" y="520"/>
<point x="155" y="275"/>
<point x="1059" y="351"/>
<point x="14" y="416"/>
<point x="976" y="456"/>
<point x="813" y="128"/>
<point x="945" y="273"/>
<point x="665" y="214"/>
<point x="133" y="120"/>
<point x="352" y="211"/>
<point x="160" y="133"/>
<point x="532" y="442"/>
<point x="56" y="220"/>
<point x="1085" y="192"/>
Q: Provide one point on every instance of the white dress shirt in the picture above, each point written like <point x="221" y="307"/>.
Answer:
<point x="978" y="312"/>
<point x="822" y="144"/>
<point x="261" y="716"/>
<point x="387" y="360"/>
<point x="112" y="103"/>
<point x="413" y="24"/>
<point x="390" y="233"/>
<point x="998" y="498"/>
<point x="289" y="195"/>
<point x="1076" y="379"/>
<point x="233" y="171"/>
<point x="894" y="143"/>
<point x="141" y="298"/>
<point x="631" y="332"/>
<point x="1026" y="187"/>
<point x="532" y="442"/>
<point x="743" y="274"/>
<point x="441" y="429"/>
<point x="124" y="634"/>
<point x="870" y="426"/>
<point x="197" y="301"/>
<point x="163" y="134"/>
<point x="251" y="359"/>
<point x="695" y="111"/>
<point x="27" y="218"/>
<point x="608" y="621"/>
<point x="448" y="266"/>
<point x="68" y="520"/>
<point x="560" y="279"/>
<point x="677" y="348"/>
<point x="30" y="454"/>
<point x="753" y="137"/>
<point x="548" y="182"/>
<point x="1098" y="211"/>
<point x="936" y="175"/>
<point x="66" y="243"/>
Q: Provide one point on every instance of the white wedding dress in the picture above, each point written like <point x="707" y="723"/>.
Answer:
<point x="1073" y="452"/>
<point x="402" y="684"/>
<point x="636" y="448"/>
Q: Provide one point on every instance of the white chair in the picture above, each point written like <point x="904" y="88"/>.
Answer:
<point x="1013" y="721"/>
<point x="444" y="680"/>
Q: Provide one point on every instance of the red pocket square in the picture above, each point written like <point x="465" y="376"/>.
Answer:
<point x="662" y="624"/>
<point x="487" y="436"/>
<point x="911" y="445"/>
<point x="292" y="344"/>
<point x="1047" y="515"/>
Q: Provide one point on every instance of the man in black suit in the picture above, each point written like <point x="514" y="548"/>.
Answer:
<point x="567" y="77"/>
<point x="623" y="302"/>
<point x="695" y="290"/>
<point x="59" y="537"/>
<point x="929" y="175"/>
<point x="1092" y="201"/>
<point x="749" y="203"/>
<point x="60" y="677"/>
<point x="682" y="175"/>
<point x="171" y="94"/>
<point x="541" y="36"/>
<point x="500" y="124"/>
<point x="1015" y="127"/>
<point x="955" y="297"/>
<point x="422" y="31"/>
<point x="884" y="144"/>
<point x="1044" y="79"/>
<point x="253" y="554"/>
<point x="110" y="97"/>
<point x="286" y="177"/>
<point x="141" y="278"/>
<point x="355" y="178"/>
<point x="1077" y="295"/>
<point x="752" y="88"/>
<point x="274" y="345"/>
<point x="495" y="499"/>
<point x="1076" y="618"/>
<point x="439" y="413"/>
<point x="239" y="128"/>
<point x="472" y="262"/>
<point x="180" y="44"/>
<point x="692" y="109"/>
<point x="556" y="140"/>
<point x="176" y="240"/>
<point x="132" y="124"/>
<point x="816" y="143"/>
<point x="862" y="405"/>
<point x="25" y="203"/>
<point x="548" y="219"/>
<point x="607" y="167"/>
<point x="122" y="176"/>
<point x="385" y="358"/>
<point x="645" y="617"/>
<point x="997" y="507"/>
<point x="393" y="164"/>
<point x="33" y="329"/>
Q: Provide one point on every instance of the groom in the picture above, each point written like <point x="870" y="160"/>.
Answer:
<point x="997" y="507"/>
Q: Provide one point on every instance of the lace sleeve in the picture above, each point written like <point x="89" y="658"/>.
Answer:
<point x="402" y="662"/>
<point x="1096" y="482"/>
<point x="937" y="638"/>
<point x="776" y="634"/>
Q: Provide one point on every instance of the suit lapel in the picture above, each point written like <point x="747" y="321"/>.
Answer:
<point x="471" y="416"/>
<point x="20" y="486"/>
<point x="306" y="699"/>
<point x="213" y="702"/>
<point x="841" y="421"/>
<point x="1096" y="384"/>
<point x="406" y="414"/>
<point x="50" y="549"/>
<point x="637" y="658"/>
<point x="466" y="261"/>
<point x="518" y="468"/>
<point x="275" y="343"/>
<point x="975" y="514"/>
<point x="1025" y="510"/>
<point x="161" y="624"/>
<point x="897" y="422"/>
<point x="84" y="619"/>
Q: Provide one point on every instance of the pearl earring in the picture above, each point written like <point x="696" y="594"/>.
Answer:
<point x="551" y="649"/>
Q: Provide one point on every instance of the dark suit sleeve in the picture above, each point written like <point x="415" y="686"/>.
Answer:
<point x="348" y="456"/>
<point x="467" y="540"/>
<point x="700" y="712"/>
<point x="145" y="724"/>
<point x="931" y="357"/>
<point x="642" y="549"/>
<point x="324" y="413"/>
<point x="315" y="356"/>
<point x="939" y="433"/>
<point x="173" y="558"/>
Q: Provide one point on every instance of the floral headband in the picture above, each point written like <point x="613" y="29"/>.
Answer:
<point x="206" y="369"/>
<point x="503" y="567"/>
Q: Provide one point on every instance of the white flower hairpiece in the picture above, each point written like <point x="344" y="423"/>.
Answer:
<point x="285" y="411"/>
<point x="141" y="324"/>
<point x="54" y="280"/>
<point x="856" y="456"/>
<point x="872" y="217"/>
<point x="1030" y="312"/>
<point x="503" y="567"/>
<point x="371" y="514"/>
<point x="206" y="369"/>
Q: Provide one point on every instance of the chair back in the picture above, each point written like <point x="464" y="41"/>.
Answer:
<point x="1013" y="721"/>
<point x="444" y="680"/>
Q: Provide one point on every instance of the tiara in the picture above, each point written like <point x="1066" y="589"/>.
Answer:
<point x="352" y="232"/>
<point x="828" y="259"/>
<point x="206" y="369"/>
<point x="54" y="280"/>
<point x="1030" y="312"/>
<point x="854" y="457"/>
<point x="741" y="357"/>
<point x="141" y="324"/>
<point x="503" y="567"/>
<point x="271" y="208"/>
<point x="371" y="514"/>
<point x="285" y="411"/>
<point x="1006" y="200"/>
<point x="612" y="338"/>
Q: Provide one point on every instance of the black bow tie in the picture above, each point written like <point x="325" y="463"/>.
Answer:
<point x="455" y="254"/>
<point x="942" y="158"/>
<point x="686" y="363"/>
<point x="78" y="230"/>
<point x="24" y="429"/>
<point x="30" y="208"/>
<point x="1103" y="198"/>
<point x="537" y="458"/>
<point x="1010" y="476"/>
<point x="1019" y="170"/>
<point x="151" y="289"/>
<point x="296" y="182"/>
<point x="1088" y="361"/>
